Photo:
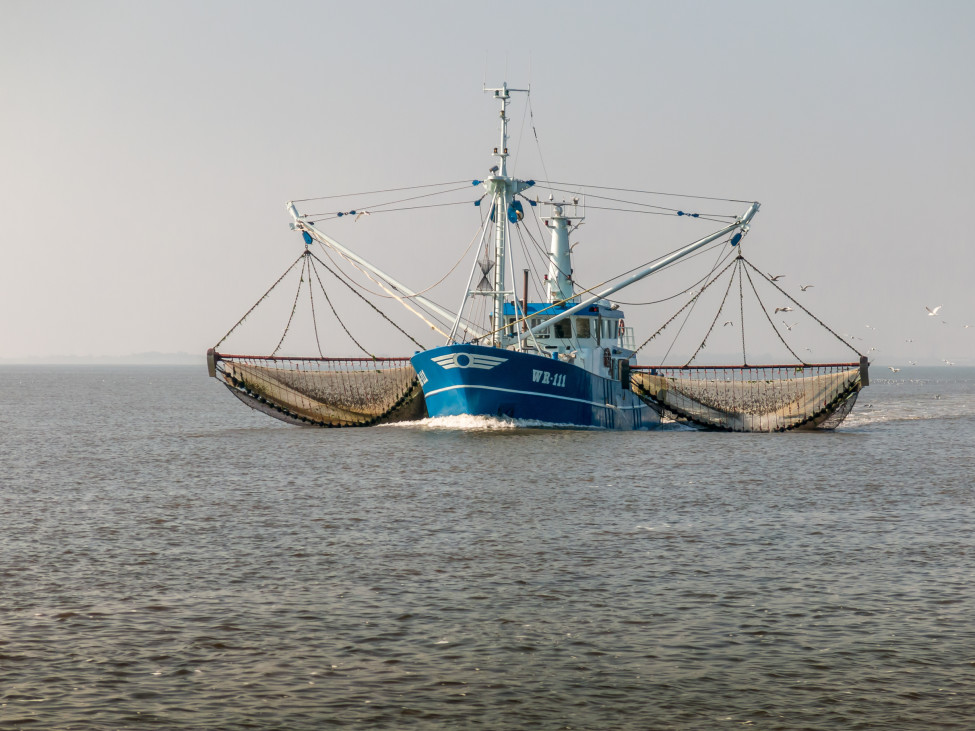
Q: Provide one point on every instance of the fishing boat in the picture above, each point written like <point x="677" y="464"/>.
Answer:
<point x="565" y="359"/>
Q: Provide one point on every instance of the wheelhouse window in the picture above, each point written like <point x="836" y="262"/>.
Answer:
<point x="583" y="329"/>
<point x="563" y="328"/>
<point x="541" y="334"/>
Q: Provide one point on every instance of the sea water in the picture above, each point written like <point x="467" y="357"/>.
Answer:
<point x="170" y="558"/>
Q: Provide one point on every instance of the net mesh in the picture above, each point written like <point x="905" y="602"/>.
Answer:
<point x="753" y="398"/>
<point x="325" y="391"/>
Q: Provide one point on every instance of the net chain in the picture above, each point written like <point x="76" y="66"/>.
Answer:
<point x="768" y="317"/>
<point x="717" y="315"/>
<point x="797" y="304"/>
<point x="691" y="301"/>
<point x="263" y="297"/>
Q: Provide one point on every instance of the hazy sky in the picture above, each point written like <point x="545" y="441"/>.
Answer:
<point x="148" y="149"/>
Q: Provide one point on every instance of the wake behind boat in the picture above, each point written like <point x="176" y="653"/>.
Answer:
<point x="567" y="358"/>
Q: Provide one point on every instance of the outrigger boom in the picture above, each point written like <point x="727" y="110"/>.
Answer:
<point x="565" y="359"/>
<point x="309" y="229"/>
<point x="741" y="223"/>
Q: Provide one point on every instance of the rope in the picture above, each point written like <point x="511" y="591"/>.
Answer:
<point x="799" y="305"/>
<point x="714" y="218"/>
<point x="319" y="217"/>
<point x="693" y="305"/>
<point x="349" y="282"/>
<point x="328" y="299"/>
<point x="293" y="308"/>
<point x="374" y="192"/>
<point x="263" y="297"/>
<point x="662" y="210"/>
<point x="724" y="299"/>
<point x="359" y="295"/>
<point x="647" y="192"/>
<point x="311" y="299"/>
<point x="741" y="311"/>
<point x="531" y="114"/>
<point x="422" y="291"/>
<point x="690" y="287"/>
<point x="767" y="317"/>
<point x="688" y="304"/>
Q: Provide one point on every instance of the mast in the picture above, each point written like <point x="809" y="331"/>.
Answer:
<point x="503" y="190"/>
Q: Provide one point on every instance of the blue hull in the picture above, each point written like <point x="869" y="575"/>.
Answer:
<point x="474" y="380"/>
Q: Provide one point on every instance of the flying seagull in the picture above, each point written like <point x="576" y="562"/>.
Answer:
<point x="782" y="309"/>
<point x="729" y="323"/>
<point x="894" y="370"/>
<point x="775" y="277"/>
<point x="360" y="214"/>
<point x="804" y="287"/>
<point x="932" y="313"/>
<point x="788" y="326"/>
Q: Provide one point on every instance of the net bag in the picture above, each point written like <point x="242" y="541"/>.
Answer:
<point x="753" y="398"/>
<point x="331" y="392"/>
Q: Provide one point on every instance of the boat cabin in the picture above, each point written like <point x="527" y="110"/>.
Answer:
<point x="594" y="338"/>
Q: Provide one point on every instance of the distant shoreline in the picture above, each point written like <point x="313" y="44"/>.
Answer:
<point x="134" y="359"/>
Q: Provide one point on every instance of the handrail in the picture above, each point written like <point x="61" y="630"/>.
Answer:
<point x="742" y="367"/>
<point x="220" y="356"/>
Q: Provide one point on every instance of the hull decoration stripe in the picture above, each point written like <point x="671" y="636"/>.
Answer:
<point x="536" y="393"/>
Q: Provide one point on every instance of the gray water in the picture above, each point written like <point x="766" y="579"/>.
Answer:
<point x="172" y="559"/>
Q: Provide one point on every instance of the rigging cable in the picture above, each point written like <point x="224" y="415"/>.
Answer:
<point x="390" y="291"/>
<point x="329" y="300"/>
<point x="521" y="136"/>
<point x="691" y="286"/>
<point x="647" y="192"/>
<point x="293" y="308"/>
<point x="799" y="305"/>
<point x="767" y="317"/>
<point x="667" y="210"/>
<point x="311" y="299"/>
<point x="375" y="192"/>
<point x="741" y="313"/>
<point x="693" y="303"/>
<point x="262" y="298"/>
<point x="713" y="218"/>
<point x="531" y="113"/>
<point x="319" y="217"/>
<point x="392" y="203"/>
<point x="686" y="305"/>
<point x="724" y="299"/>
<point x="435" y="284"/>
<point x="359" y="295"/>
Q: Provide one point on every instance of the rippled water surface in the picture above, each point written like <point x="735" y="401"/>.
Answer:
<point x="170" y="558"/>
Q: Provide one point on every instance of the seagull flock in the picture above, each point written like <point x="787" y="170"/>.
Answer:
<point x="932" y="312"/>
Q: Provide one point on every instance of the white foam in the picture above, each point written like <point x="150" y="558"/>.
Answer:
<point x="468" y="422"/>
